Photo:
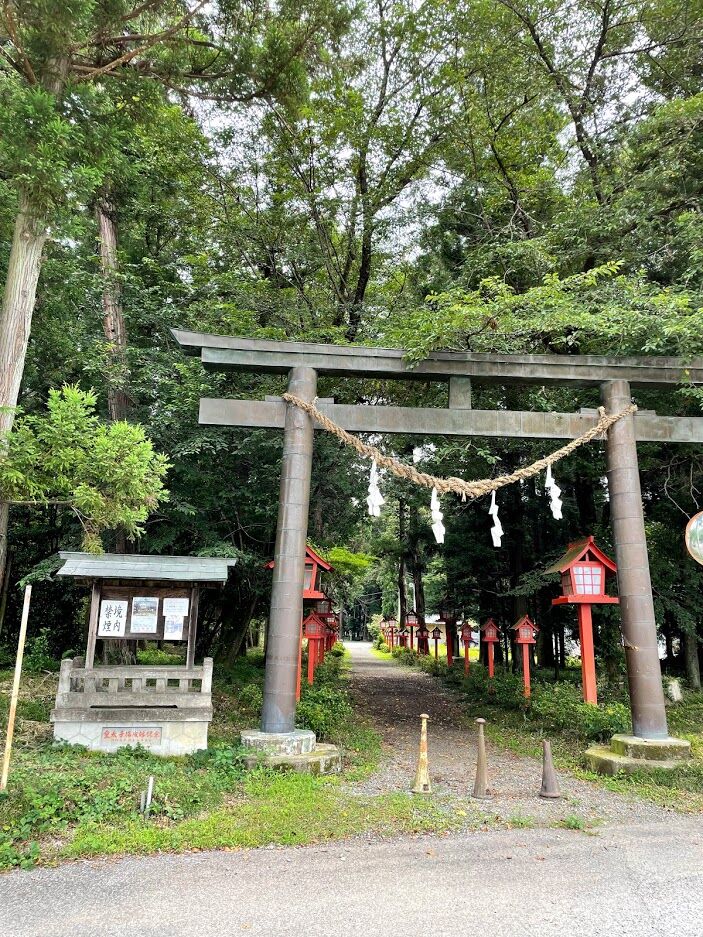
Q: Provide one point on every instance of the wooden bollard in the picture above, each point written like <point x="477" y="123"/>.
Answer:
<point x="550" y="783"/>
<point x="481" y="782"/>
<point x="422" y="775"/>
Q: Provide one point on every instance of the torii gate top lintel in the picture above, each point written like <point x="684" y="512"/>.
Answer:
<point x="222" y="352"/>
<point x="459" y="369"/>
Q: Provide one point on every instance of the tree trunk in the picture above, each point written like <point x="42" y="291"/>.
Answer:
<point x="16" y="321"/>
<point x="416" y="565"/>
<point x="402" y="596"/>
<point x="116" y="335"/>
<point x="4" y="591"/>
<point x="689" y="640"/>
<point x="113" y="316"/>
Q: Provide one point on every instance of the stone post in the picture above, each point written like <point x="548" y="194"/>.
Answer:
<point x="278" y="714"/>
<point x="636" y="606"/>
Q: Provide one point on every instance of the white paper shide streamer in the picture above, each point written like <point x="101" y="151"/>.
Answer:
<point x="437" y="517"/>
<point x="375" y="498"/>
<point x="554" y="491"/>
<point x="497" y="528"/>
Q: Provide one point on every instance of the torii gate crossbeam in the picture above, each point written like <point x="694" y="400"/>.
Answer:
<point x="303" y="362"/>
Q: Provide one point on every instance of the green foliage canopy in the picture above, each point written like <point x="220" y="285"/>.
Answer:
<point x="108" y="473"/>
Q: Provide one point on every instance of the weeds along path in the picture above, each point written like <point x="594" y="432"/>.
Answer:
<point x="391" y="697"/>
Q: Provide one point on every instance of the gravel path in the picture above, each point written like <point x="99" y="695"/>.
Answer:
<point x="392" y="697"/>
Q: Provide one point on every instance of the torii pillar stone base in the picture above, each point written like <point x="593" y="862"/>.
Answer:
<point x="628" y="753"/>
<point x="291" y="751"/>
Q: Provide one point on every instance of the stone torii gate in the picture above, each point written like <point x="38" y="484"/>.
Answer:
<point x="303" y="363"/>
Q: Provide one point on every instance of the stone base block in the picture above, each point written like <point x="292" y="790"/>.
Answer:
<point x="161" y="738"/>
<point x="669" y="749"/>
<point x="325" y="759"/>
<point x="297" y="742"/>
<point x="628" y="753"/>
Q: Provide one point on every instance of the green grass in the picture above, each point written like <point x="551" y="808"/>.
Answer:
<point x="64" y="801"/>
<point x="573" y="822"/>
<point x="521" y="822"/>
<point x="286" y="809"/>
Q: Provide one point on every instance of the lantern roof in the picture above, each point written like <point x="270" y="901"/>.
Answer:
<point x="579" y="551"/>
<point x="313" y="557"/>
<point x="525" y="620"/>
<point x="489" y="623"/>
<point x="314" y="618"/>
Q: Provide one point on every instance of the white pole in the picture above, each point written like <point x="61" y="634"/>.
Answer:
<point x="15" y="689"/>
<point x="149" y="794"/>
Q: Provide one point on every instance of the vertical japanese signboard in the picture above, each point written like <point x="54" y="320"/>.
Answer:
<point x="113" y="618"/>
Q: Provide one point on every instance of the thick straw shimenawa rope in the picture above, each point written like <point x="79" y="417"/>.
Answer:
<point x="474" y="489"/>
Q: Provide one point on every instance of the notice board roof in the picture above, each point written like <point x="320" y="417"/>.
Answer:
<point x="213" y="569"/>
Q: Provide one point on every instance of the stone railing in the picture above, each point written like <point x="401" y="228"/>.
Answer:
<point x="138" y="686"/>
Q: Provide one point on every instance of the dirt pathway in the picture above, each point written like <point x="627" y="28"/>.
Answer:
<point x="392" y="697"/>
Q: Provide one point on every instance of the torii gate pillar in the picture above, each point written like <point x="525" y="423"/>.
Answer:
<point x="639" y="627"/>
<point x="278" y="714"/>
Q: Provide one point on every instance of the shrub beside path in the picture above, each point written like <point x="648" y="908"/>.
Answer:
<point x="391" y="698"/>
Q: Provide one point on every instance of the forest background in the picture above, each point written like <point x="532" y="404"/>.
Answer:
<point x="493" y="175"/>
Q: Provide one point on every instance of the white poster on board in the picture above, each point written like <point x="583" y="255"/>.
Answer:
<point x="173" y="628"/>
<point x="113" y="618"/>
<point x="145" y="614"/>
<point x="177" y="607"/>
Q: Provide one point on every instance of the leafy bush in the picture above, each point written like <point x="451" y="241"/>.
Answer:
<point x="553" y="707"/>
<point x="560" y="708"/>
<point x="324" y="709"/>
<point x="251" y="697"/>
<point x="505" y="690"/>
<point x="157" y="657"/>
<point x="374" y="629"/>
<point x="325" y="706"/>
<point x="405" y="656"/>
<point x="337" y="649"/>
<point x="39" y="656"/>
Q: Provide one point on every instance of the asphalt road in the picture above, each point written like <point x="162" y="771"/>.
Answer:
<point x="627" y="881"/>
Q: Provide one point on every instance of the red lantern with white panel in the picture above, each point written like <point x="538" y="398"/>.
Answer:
<point x="490" y="635"/>
<point x="526" y="632"/>
<point x="467" y="642"/>
<point x="584" y="571"/>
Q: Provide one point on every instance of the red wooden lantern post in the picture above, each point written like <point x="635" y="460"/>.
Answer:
<point x="526" y="632"/>
<point x="447" y="616"/>
<point x="314" y="565"/>
<point x="466" y="639"/>
<point x="323" y="609"/>
<point x="423" y="640"/>
<point x="403" y="637"/>
<point x="392" y="628"/>
<point x="490" y="635"/>
<point x="411" y="621"/>
<point x="299" y="676"/>
<point x="584" y="569"/>
<point x="314" y="629"/>
<point x="436" y="635"/>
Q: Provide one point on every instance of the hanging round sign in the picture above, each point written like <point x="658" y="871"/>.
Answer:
<point x="694" y="537"/>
